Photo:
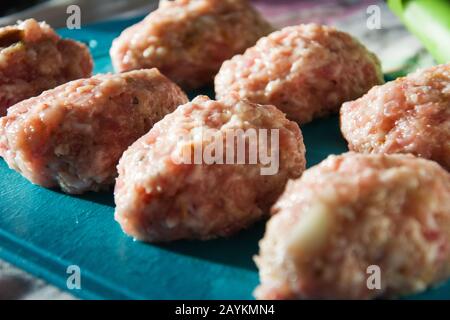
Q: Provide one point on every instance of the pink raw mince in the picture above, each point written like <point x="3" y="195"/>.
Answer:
<point x="160" y="198"/>
<point x="352" y="213"/>
<point x="74" y="135"/>
<point x="33" y="58"/>
<point x="307" y="71"/>
<point x="187" y="40"/>
<point x="408" y="115"/>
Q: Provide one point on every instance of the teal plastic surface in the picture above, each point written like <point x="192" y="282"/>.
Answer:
<point x="45" y="231"/>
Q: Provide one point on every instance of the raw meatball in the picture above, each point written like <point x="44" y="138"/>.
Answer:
<point x="33" y="58"/>
<point x="408" y="115"/>
<point x="351" y="212"/>
<point x="307" y="71"/>
<point x="159" y="197"/>
<point x="74" y="135"/>
<point x="187" y="40"/>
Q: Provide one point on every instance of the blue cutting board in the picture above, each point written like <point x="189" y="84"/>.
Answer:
<point x="45" y="231"/>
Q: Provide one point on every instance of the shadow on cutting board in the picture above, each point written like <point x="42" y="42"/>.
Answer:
<point x="244" y="245"/>
<point x="322" y="137"/>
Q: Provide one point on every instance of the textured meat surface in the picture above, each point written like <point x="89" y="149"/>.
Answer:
<point x="408" y="115"/>
<point x="187" y="40"/>
<point x="353" y="211"/>
<point x="160" y="199"/>
<point x="74" y="135"/>
<point x="307" y="71"/>
<point x="33" y="58"/>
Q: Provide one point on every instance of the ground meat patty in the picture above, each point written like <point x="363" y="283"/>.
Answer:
<point x="187" y="40"/>
<point x="351" y="212"/>
<point x="307" y="71"/>
<point x="408" y="115"/>
<point x="33" y="58"/>
<point x="74" y="135"/>
<point x="161" y="198"/>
